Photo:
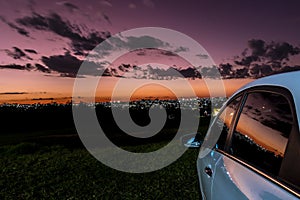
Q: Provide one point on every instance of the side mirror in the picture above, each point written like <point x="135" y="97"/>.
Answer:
<point x="190" y="141"/>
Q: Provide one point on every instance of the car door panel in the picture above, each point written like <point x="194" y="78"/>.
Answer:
<point x="233" y="180"/>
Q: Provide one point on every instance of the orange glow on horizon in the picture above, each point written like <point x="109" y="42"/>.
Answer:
<point x="148" y="90"/>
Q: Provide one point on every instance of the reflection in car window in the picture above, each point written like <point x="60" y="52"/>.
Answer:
<point x="262" y="131"/>
<point x="222" y="123"/>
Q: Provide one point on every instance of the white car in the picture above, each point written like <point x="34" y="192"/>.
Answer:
<point x="252" y="148"/>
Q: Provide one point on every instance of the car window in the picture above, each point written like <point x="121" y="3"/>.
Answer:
<point x="223" y="122"/>
<point x="261" y="134"/>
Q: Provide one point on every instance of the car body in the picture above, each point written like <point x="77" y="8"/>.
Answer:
<point x="252" y="148"/>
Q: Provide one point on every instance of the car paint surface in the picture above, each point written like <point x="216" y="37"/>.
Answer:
<point x="233" y="180"/>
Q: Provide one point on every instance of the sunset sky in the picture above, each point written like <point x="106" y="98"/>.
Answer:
<point x="43" y="43"/>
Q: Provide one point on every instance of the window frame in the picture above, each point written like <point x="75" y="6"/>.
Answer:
<point x="240" y="95"/>
<point x="279" y="180"/>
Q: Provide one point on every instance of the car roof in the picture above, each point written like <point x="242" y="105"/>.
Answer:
<point x="289" y="80"/>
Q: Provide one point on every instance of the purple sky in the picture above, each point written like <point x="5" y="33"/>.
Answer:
<point x="223" y="28"/>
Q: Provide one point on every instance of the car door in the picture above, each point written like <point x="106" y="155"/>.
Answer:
<point x="249" y="165"/>
<point x="217" y="133"/>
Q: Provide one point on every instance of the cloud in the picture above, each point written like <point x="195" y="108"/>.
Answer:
<point x="151" y="72"/>
<point x="55" y="24"/>
<point x="14" y="66"/>
<point x="241" y="73"/>
<point x="31" y="51"/>
<point x="257" y="46"/>
<point x="226" y="70"/>
<point x="42" y="68"/>
<point x="13" y="93"/>
<point x="257" y="70"/>
<point x="130" y="43"/>
<point x="15" y="27"/>
<point x="190" y="72"/>
<point x="281" y="51"/>
<point x="17" y="54"/>
<point x="262" y="59"/>
<point x="68" y="65"/>
<point x="273" y="52"/>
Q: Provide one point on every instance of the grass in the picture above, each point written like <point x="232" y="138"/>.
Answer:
<point x="34" y="171"/>
<point x="53" y="164"/>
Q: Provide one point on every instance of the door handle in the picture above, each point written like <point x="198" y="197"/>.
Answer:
<point x="208" y="171"/>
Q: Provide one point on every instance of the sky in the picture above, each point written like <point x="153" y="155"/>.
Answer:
<point x="43" y="44"/>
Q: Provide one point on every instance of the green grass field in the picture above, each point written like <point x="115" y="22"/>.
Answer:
<point x="33" y="171"/>
<point x="53" y="164"/>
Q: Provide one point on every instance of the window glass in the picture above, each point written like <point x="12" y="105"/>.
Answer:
<point x="223" y="122"/>
<point x="261" y="135"/>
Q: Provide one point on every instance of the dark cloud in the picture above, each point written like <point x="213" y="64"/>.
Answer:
<point x="27" y="66"/>
<point x="55" y="24"/>
<point x="150" y="72"/>
<point x="20" y="30"/>
<point x="262" y="59"/>
<point x="281" y="51"/>
<point x="257" y="70"/>
<point x="42" y="68"/>
<point x="68" y="65"/>
<point x="241" y="73"/>
<point x="14" y="66"/>
<point x="139" y="44"/>
<point x="190" y="72"/>
<point x="65" y="64"/>
<point x="13" y="93"/>
<point x="30" y="51"/>
<point x="17" y="54"/>
<point x="246" y="61"/>
<point x="273" y="53"/>
<point x="257" y="46"/>
<point x="226" y="70"/>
